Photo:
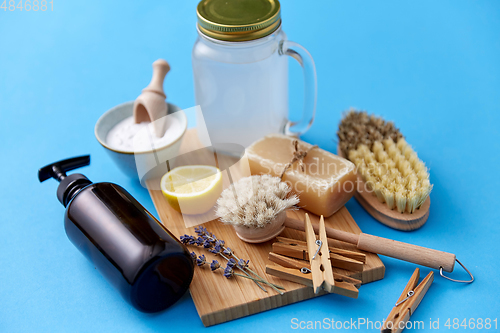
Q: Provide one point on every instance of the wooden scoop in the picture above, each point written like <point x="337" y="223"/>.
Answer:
<point x="151" y="105"/>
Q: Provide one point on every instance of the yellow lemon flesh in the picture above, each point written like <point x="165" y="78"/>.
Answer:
<point x="192" y="189"/>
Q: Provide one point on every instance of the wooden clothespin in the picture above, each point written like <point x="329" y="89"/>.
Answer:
<point x="299" y="271"/>
<point x="356" y="255"/>
<point x="315" y="270"/>
<point x="340" y="258"/>
<point x="321" y="267"/>
<point x="407" y="303"/>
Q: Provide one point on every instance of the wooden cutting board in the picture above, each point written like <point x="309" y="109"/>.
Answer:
<point x="218" y="299"/>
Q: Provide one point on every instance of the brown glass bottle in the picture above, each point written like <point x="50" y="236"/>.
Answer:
<point x="129" y="246"/>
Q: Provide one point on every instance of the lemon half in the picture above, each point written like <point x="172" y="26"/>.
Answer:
<point x="192" y="189"/>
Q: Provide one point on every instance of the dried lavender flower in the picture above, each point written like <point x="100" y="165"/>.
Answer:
<point x="217" y="249"/>
<point x="201" y="260"/>
<point x="214" y="265"/>
<point x="184" y="239"/>
<point x="193" y="256"/>
<point x="231" y="262"/>
<point x="228" y="252"/>
<point x="228" y="272"/>
<point x="242" y="263"/>
<point x="192" y="241"/>
<point x="201" y="231"/>
<point x="188" y="240"/>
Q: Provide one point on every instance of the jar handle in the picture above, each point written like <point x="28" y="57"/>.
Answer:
<point x="306" y="61"/>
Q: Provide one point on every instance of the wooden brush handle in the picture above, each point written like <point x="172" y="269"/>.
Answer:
<point x="407" y="252"/>
<point x="160" y="70"/>
<point x="387" y="247"/>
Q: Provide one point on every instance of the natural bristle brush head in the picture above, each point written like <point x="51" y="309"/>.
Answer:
<point x="357" y="127"/>
<point x="394" y="173"/>
<point x="256" y="206"/>
<point x="254" y="201"/>
<point x="389" y="167"/>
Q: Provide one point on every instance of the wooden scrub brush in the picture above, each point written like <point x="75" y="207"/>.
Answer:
<point x="393" y="183"/>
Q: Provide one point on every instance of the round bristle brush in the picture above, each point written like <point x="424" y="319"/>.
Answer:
<point x="256" y="207"/>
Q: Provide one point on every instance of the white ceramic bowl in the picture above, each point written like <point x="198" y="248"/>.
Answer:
<point x="138" y="165"/>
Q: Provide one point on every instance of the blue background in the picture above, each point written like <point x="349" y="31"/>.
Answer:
<point x="433" y="67"/>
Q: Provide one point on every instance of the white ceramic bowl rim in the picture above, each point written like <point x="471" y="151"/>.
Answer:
<point x="101" y="137"/>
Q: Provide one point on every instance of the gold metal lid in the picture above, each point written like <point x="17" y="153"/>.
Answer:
<point x="238" y="20"/>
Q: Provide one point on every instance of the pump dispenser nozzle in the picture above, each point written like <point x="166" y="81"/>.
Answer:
<point x="57" y="170"/>
<point x="69" y="185"/>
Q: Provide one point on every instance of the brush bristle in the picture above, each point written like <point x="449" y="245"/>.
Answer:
<point x="254" y="201"/>
<point x="394" y="173"/>
<point x="357" y="128"/>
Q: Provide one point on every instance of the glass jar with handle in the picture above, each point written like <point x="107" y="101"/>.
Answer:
<point x="240" y="66"/>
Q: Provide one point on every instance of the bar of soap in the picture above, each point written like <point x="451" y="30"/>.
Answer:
<point x="327" y="183"/>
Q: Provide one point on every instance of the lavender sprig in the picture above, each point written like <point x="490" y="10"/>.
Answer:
<point x="219" y="248"/>
<point x="190" y="240"/>
<point x="228" y="252"/>
<point x="232" y="263"/>
<point x="213" y="245"/>
<point x="229" y="273"/>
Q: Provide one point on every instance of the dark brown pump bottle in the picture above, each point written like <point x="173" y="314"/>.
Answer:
<point x="134" y="252"/>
